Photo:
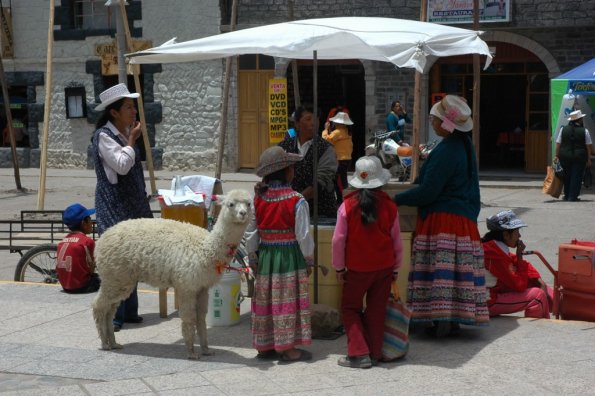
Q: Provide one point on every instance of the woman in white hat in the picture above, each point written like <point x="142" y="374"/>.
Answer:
<point x="514" y="284"/>
<point x="340" y="137"/>
<point x="574" y="149"/>
<point x="120" y="193"/>
<point x="446" y="283"/>
<point x="367" y="252"/>
<point x="280" y="232"/>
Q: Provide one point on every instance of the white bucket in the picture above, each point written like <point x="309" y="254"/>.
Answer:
<point x="224" y="300"/>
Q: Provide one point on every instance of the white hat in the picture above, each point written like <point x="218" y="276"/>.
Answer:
<point x="369" y="173"/>
<point x="454" y="113"/>
<point x="114" y="94"/>
<point x="576" y="115"/>
<point x="341" y="118"/>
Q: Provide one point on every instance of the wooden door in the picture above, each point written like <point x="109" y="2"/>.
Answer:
<point x="537" y="121"/>
<point x="253" y="105"/>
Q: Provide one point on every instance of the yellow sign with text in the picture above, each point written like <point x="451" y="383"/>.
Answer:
<point x="277" y="109"/>
<point x="109" y="56"/>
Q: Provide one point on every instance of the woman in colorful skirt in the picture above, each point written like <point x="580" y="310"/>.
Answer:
<point x="446" y="281"/>
<point x="280" y="248"/>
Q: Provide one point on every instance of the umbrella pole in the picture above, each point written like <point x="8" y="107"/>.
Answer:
<point x="223" y="122"/>
<point x="46" y="110"/>
<point x="315" y="167"/>
<point x="141" y="106"/>
<point x="417" y="106"/>
<point x="476" y="85"/>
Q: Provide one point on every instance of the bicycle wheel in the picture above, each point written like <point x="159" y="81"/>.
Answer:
<point x="38" y="265"/>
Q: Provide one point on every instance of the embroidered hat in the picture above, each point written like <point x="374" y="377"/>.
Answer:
<point x="341" y="118"/>
<point x="369" y="173"/>
<point x="505" y="220"/>
<point x="454" y="113"/>
<point x="575" y="115"/>
<point x="113" y="94"/>
<point x="274" y="159"/>
<point x="75" y="214"/>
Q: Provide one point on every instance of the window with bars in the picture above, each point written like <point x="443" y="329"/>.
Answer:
<point x="92" y="15"/>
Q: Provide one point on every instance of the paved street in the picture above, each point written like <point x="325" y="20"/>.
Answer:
<point x="49" y="345"/>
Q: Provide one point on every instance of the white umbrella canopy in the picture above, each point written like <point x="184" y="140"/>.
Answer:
<point x="404" y="43"/>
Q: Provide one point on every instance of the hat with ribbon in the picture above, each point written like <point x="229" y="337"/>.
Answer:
<point x="75" y="214"/>
<point x="454" y="113"/>
<point x="274" y="159"/>
<point x="369" y="173"/>
<point x="114" y="94"/>
<point x="505" y="220"/>
<point x="575" y="115"/>
<point x="341" y="118"/>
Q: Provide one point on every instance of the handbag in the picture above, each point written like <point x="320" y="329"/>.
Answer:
<point x="552" y="185"/>
<point x="396" y="327"/>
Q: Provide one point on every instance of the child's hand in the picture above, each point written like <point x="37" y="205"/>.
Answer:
<point x="340" y="275"/>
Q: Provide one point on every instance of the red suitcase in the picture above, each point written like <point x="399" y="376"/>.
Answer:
<point x="576" y="278"/>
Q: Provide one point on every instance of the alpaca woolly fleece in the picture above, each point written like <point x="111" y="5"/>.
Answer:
<point x="168" y="253"/>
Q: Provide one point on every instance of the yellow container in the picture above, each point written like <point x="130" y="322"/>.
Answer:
<point x="193" y="214"/>
<point x="330" y="290"/>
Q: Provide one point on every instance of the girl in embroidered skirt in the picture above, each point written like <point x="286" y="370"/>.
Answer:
<point x="514" y="284"/>
<point x="446" y="281"/>
<point x="280" y="232"/>
<point x="366" y="268"/>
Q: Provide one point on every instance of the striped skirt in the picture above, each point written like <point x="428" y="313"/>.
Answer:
<point x="446" y="281"/>
<point x="280" y="306"/>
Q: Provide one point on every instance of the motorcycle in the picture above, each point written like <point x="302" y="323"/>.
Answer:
<point x="397" y="158"/>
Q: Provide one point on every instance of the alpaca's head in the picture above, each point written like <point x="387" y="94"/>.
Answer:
<point x="236" y="207"/>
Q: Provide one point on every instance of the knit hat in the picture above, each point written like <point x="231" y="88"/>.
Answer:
<point x="75" y="214"/>
<point x="274" y="159"/>
<point x="369" y="173"/>
<point x="113" y="94"/>
<point x="454" y="113"/>
<point x="341" y="118"/>
<point x="505" y="220"/>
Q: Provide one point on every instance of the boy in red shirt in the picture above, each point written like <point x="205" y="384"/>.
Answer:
<point x="75" y="265"/>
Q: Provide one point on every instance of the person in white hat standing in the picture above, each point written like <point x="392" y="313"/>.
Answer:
<point x="120" y="193"/>
<point x="340" y="137"/>
<point x="446" y="283"/>
<point x="574" y="149"/>
<point x="367" y="253"/>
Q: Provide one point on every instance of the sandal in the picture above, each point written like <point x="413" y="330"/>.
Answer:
<point x="269" y="354"/>
<point x="303" y="356"/>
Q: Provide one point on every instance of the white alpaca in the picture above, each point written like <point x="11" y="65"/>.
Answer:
<point x="168" y="253"/>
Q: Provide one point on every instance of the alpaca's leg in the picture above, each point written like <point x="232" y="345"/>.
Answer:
<point x="104" y="308"/>
<point x="202" y="306"/>
<point x="187" y="313"/>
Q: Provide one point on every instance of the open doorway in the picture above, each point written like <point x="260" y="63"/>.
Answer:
<point x="503" y="102"/>
<point x="338" y="84"/>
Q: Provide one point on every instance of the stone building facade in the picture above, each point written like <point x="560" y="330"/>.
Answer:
<point x="183" y="101"/>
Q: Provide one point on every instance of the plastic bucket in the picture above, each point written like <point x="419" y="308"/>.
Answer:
<point x="224" y="301"/>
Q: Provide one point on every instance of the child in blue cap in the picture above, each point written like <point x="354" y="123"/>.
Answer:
<point x="75" y="265"/>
